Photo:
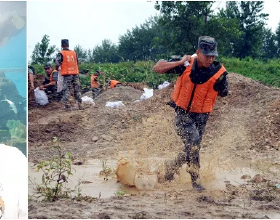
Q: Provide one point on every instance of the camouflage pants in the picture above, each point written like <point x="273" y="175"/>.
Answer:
<point x="68" y="81"/>
<point x="51" y="92"/>
<point x="190" y="127"/>
<point x="95" y="92"/>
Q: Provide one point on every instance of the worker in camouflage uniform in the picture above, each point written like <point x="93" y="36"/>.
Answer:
<point x="68" y="62"/>
<point x="95" y="84"/>
<point x="201" y="79"/>
<point x="50" y="83"/>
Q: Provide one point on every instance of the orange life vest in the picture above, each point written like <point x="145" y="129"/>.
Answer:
<point x="201" y="96"/>
<point x="51" y="75"/>
<point x="114" y="83"/>
<point x="93" y="83"/>
<point x="69" y="64"/>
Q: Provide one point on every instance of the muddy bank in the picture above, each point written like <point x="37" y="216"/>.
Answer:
<point x="181" y="202"/>
<point x="243" y="129"/>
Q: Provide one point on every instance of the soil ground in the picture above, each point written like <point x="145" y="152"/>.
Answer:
<point x="241" y="140"/>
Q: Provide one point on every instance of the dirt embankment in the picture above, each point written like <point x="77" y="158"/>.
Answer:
<point x="242" y="130"/>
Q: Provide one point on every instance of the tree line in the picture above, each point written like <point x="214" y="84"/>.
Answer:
<point x="239" y="28"/>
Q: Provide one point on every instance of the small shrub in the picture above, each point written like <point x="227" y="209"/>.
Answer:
<point x="56" y="173"/>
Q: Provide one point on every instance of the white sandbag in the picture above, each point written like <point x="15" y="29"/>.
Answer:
<point x="114" y="104"/>
<point x="148" y="93"/>
<point x="40" y="96"/>
<point x="163" y="85"/>
<point x="86" y="99"/>
<point x="59" y="82"/>
<point x="186" y="63"/>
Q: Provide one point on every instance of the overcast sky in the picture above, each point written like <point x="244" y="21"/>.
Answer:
<point x="89" y="22"/>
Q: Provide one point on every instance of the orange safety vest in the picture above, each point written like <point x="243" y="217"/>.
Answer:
<point x="93" y="83"/>
<point x="201" y="96"/>
<point x="114" y="83"/>
<point x="51" y="75"/>
<point x="69" y="64"/>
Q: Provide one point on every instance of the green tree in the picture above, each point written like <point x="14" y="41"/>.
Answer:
<point x="269" y="49"/>
<point x="43" y="51"/>
<point x="106" y="52"/>
<point x="81" y="53"/>
<point x="228" y="32"/>
<point x="138" y="44"/>
<point x="182" y="23"/>
<point x="251" y="24"/>
<point x="277" y="38"/>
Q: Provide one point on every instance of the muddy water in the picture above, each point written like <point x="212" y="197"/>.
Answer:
<point x="215" y="174"/>
<point x="92" y="183"/>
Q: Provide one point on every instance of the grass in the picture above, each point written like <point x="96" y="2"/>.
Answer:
<point x="267" y="72"/>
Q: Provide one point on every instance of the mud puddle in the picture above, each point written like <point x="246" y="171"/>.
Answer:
<point x="215" y="173"/>
<point x="89" y="178"/>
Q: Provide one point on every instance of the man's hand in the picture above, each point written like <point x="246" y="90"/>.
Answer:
<point x="163" y="66"/>
<point x="41" y="87"/>
<point x="186" y="58"/>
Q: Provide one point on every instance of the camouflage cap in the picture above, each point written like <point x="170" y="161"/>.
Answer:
<point x="65" y="42"/>
<point x="208" y="45"/>
<point x="47" y="65"/>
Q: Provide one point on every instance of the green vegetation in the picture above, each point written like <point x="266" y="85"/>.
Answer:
<point x="56" y="173"/>
<point x="267" y="72"/>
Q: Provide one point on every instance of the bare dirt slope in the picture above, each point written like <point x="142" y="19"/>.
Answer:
<point x="242" y="132"/>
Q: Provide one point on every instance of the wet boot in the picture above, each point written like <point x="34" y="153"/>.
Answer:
<point x="172" y="167"/>
<point x="196" y="183"/>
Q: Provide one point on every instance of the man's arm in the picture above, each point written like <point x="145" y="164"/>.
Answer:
<point x="53" y="83"/>
<point x="31" y="79"/>
<point x="162" y="66"/>
<point x="221" y="85"/>
<point x="58" y="61"/>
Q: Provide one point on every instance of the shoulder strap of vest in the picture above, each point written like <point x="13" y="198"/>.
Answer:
<point x="219" y="73"/>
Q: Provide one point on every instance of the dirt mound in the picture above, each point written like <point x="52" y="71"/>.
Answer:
<point x="126" y="94"/>
<point x="243" y="127"/>
<point x="249" y="102"/>
<point x="250" y="109"/>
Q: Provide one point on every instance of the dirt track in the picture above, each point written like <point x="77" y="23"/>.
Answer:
<point x="242" y="136"/>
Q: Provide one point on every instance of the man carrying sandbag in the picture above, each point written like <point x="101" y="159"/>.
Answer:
<point x="201" y="79"/>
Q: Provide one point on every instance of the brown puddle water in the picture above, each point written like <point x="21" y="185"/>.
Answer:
<point x="215" y="174"/>
<point x="92" y="184"/>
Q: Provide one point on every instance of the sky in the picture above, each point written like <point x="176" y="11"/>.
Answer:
<point x="87" y="23"/>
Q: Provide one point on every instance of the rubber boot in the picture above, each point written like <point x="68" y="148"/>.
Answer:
<point x="196" y="182"/>
<point x="172" y="167"/>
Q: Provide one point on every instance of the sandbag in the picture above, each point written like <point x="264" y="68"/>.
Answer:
<point x="114" y="104"/>
<point x="148" y="93"/>
<point x="59" y="82"/>
<point x="40" y="96"/>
